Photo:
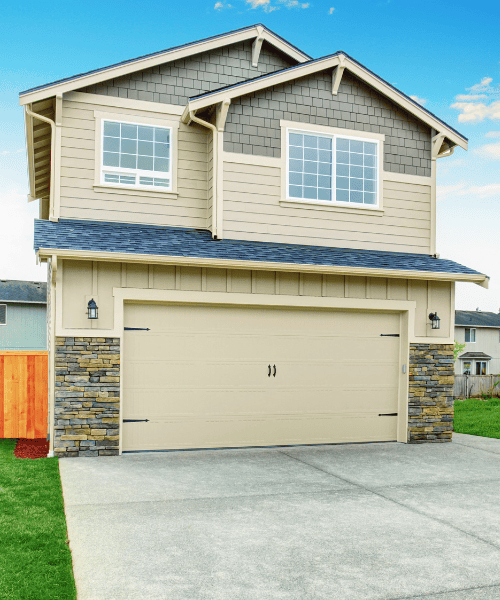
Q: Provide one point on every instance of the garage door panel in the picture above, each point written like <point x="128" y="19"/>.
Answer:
<point x="200" y="375"/>
<point x="239" y="433"/>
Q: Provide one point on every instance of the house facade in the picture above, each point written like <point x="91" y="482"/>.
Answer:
<point x="480" y="332"/>
<point x="23" y="315"/>
<point x="254" y="231"/>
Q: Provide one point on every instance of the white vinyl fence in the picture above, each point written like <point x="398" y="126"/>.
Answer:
<point x="473" y="386"/>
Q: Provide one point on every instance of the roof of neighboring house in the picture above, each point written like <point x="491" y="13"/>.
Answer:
<point x="26" y="292"/>
<point x="476" y="318"/>
<point x="476" y="355"/>
<point x="105" y="237"/>
<point x="139" y="59"/>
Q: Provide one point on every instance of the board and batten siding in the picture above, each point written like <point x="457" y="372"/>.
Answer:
<point x="84" y="279"/>
<point x="255" y="209"/>
<point x="81" y="199"/>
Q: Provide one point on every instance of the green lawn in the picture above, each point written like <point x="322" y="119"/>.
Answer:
<point x="35" y="560"/>
<point x="478" y="417"/>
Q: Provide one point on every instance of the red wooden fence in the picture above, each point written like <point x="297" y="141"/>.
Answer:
<point x="23" y="394"/>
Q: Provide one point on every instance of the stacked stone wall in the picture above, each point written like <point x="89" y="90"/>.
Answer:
<point x="87" y="396"/>
<point x="430" y="397"/>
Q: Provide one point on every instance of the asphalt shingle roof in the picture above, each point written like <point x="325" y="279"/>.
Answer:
<point x="475" y="355"/>
<point x="23" y="291"/>
<point x="102" y="236"/>
<point x="471" y="318"/>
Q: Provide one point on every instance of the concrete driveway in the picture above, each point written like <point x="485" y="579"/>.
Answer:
<point x="344" y="522"/>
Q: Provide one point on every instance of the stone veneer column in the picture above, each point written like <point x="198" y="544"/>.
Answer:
<point x="430" y="397"/>
<point x="87" y="396"/>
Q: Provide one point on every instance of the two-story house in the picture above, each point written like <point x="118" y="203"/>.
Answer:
<point x="241" y="244"/>
<point x="480" y="332"/>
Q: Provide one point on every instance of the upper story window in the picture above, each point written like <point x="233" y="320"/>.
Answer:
<point x="332" y="168"/>
<point x="3" y="314"/>
<point x="470" y="335"/>
<point x="136" y="155"/>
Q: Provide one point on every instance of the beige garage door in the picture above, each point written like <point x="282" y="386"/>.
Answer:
<point x="212" y="376"/>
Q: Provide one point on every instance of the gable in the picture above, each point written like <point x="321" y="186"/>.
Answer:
<point x="175" y="82"/>
<point x="253" y="120"/>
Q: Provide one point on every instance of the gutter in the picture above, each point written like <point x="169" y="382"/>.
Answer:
<point x="226" y="263"/>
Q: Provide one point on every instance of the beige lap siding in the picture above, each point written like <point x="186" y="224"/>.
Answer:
<point x="78" y="281"/>
<point x="252" y="211"/>
<point x="81" y="200"/>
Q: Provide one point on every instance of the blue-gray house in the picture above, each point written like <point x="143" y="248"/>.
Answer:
<point x="23" y="309"/>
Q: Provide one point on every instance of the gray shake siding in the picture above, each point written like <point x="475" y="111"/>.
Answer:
<point x="175" y="82"/>
<point x="253" y="121"/>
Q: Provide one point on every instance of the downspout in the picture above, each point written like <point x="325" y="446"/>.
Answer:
<point x="52" y="158"/>
<point x="52" y="355"/>
<point x="215" y="153"/>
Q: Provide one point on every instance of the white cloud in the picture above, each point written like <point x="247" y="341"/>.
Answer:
<point x="469" y="97"/>
<point x="10" y="152"/>
<point x="477" y="111"/>
<point x="422" y="101"/>
<point x="489" y="150"/>
<point x="445" y="192"/>
<point x="330" y="12"/>
<point x="482" y="85"/>
<point x="16" y="237"/>
<point x="219" y="6"/>
<point x="293" y="4"/>
<point x="492" y="134"/>
<point x="258" y="3"/>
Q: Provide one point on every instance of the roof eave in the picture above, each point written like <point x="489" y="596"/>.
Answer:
<point x="479" y="279"/>
<point x="130" y="66"/>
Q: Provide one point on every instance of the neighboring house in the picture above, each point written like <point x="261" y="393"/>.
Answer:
<point x="255" y="231"/>
<point x="23" y="315"/>
<point x="480" y="332"/>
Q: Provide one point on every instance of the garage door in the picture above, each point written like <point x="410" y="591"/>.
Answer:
<point x="212" y="376"/>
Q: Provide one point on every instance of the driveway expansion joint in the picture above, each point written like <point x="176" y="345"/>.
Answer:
<point x="479" y="449"/>
<point x="453" y="591"/>
<point x="411" y="509"/>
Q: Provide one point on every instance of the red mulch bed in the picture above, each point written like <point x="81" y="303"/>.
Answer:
<point x="37" y="448"/>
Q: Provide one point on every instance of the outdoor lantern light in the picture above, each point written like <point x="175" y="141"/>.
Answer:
<point x="92" y="309"/>
<point x="435" y="320"/>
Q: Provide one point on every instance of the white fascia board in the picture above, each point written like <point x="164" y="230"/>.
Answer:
<point x="226" y="263"/>
<point x="168" y="56"/>
<point x="320" y="65"/>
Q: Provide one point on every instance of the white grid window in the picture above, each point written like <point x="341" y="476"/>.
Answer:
<point x="332" y="168"/>
<point x="481" y="368"/>
<point x="136" y="155"/>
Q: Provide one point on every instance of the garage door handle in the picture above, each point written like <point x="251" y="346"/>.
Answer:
<point x="274" y="367"/>
<point x="269" y="373"/>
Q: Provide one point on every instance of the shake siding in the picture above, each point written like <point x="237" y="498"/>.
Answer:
<point x="77" y="285"/>
<point x="175" y="82"/>
<point x="81" y="200"/>
<point x="253" y="121"/>
<point x="252" y="211"/>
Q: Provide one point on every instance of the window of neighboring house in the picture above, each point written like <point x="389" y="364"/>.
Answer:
<point x="470" y="335"/>
<point x="467" y="367"/>
<point x="332" y="168"/>
<point x="481" y="367"/>
<point x="136" y="155"/>
<point x="3" y="314"/>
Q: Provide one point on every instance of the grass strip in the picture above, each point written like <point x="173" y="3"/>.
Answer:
<point x="35" y="559"/>
<point x="476" y="416"/>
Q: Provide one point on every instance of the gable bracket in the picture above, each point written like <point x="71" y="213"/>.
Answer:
<point x="256" y="47"/>
<point x="337" y="73"/>
<point x="437" y="142"/>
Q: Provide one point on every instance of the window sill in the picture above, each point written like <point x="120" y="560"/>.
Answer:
<point x="326" y="205"/>
<point x="122" y="189"/>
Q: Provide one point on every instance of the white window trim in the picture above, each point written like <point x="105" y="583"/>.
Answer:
<point x="4" y="324"/>
<point x="99" y="170"/>
<point x="287" y="126"/>
<point x="481" y="361"/>
<point x="475" y="335"/>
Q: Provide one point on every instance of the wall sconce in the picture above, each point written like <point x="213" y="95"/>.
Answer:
<point x="435" y="320"/>
<point x="92" y="309"/>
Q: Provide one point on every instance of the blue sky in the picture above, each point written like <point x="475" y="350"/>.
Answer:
<point x="445" y="53"/>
